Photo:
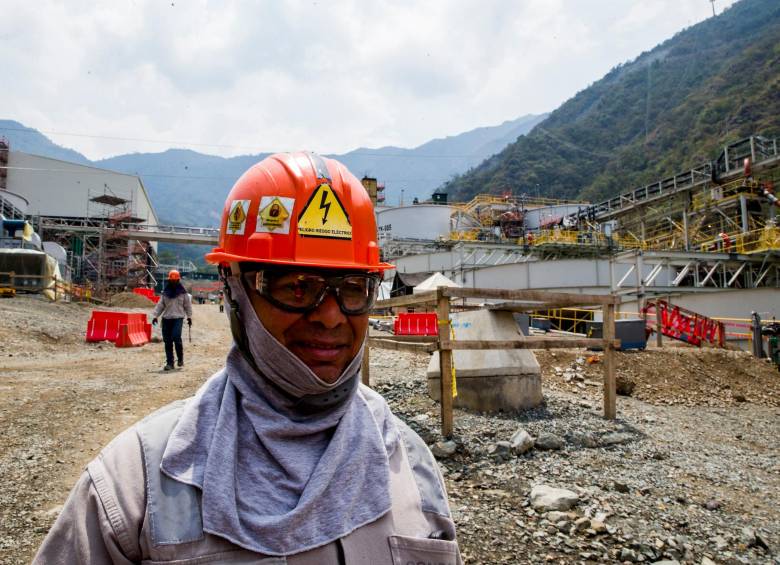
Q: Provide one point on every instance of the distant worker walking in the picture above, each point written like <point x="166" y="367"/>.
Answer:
<point x="174" y="305"/>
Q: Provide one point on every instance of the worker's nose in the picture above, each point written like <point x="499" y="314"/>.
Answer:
<point x="328" y="313"/>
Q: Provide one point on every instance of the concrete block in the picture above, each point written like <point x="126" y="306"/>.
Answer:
<point x="490" y="380"/>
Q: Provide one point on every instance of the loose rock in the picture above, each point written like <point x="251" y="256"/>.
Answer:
<point x="521" y="442"/>
<point x="444" y="449"/>
<point x="545" y="498"/>
<point x="548" y="441"/>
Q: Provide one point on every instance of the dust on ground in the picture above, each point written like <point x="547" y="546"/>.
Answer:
<point x="701" y="424"/>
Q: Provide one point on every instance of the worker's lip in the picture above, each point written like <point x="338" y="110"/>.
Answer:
<point x="321" y="350"/>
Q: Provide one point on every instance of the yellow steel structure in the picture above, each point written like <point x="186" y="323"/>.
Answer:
<point x="727" y="205"/>
<point x="491" y="200"/>
<point x="756" y="241"/>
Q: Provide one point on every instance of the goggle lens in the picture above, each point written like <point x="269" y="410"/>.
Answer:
<point x="301" y="291"/>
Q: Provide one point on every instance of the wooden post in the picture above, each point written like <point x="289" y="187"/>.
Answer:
<point x="608" y="334"/>
<point x="445" y="362"/>
<point x="365" y="377"/>
<point x="659" y="336"/>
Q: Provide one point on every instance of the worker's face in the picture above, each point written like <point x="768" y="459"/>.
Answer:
<point x="325" y="338"/>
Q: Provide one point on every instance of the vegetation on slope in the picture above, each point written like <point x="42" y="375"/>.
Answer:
<point x="672" y="107"/>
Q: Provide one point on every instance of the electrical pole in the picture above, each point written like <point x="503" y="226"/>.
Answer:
<point x="713" y="7"/>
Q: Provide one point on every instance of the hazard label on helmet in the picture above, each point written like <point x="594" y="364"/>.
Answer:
<point x="236" y="221"/>
<point x="324" y="216"/>
<point x="274" y="214"/>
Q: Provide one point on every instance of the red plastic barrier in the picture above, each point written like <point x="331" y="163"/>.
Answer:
<point x="148" y="293"/>
<point x="685" y="325"/>
<point x="135" y="332"/>
<point x="422" y="323"/>
<point x="125" y="329"/>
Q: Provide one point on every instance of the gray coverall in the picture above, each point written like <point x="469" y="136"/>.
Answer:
<point x="124" y="510"/>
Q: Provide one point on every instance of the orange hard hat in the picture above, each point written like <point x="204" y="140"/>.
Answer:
<point x="174" y="275"/>
<point x="299" y="209"/>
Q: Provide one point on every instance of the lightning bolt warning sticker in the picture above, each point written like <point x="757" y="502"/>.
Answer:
<point x="324" y="216"/>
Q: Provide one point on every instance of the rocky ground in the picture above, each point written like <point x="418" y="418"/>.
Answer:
<point x="677" y="477"/>
<point x="690" y="471"/>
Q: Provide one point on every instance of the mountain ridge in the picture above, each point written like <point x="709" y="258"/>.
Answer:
<point x="206" y="179"/>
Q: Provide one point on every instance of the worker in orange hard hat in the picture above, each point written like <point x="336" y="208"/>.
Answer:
<point x="282" y="453"/>
<point x="174" y="305"/>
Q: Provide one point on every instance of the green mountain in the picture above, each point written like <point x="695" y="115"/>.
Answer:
<point x="673" y="107"/>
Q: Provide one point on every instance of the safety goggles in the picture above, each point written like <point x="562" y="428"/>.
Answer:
<point x="302" y="291"/>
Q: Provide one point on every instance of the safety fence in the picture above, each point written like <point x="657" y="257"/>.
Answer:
<point x="524" y="202"/>
<point x="571" y="320"/>
<point x="576" y="320"/>
<point x="756" y="241"/>
<point x="759" y="240"/>
<point x="583" y="238"/>
<point x="725" y="193"/>
<point x="684" y="325"/>
<point x="508" y="300"/>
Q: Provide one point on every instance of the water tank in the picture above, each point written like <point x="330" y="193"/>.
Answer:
<point x="419" y="221"/>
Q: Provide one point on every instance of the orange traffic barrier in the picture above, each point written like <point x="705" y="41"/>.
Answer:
<point x="148" y="293"/>
<point x="416" y="323"/>
<point x="125" y="329"/>
<point x="135" y="332"/>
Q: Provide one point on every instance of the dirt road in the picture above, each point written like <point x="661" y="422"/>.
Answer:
<point x="63" y="399"/>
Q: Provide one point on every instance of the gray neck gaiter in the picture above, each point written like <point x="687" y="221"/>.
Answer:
<point x="276" y="479"/>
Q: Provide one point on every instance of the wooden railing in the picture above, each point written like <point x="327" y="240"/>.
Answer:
<point x="510" y="300"/>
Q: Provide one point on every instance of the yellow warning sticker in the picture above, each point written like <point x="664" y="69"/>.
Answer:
<point x="236" y="222"/>
<point x="324" y="216"/>
<point x="274" y="214"/>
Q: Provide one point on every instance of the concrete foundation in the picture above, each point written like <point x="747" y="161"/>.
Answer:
<point x="490" y="380"/>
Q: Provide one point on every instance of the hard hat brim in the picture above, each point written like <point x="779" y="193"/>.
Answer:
<point x="221" y="258"/>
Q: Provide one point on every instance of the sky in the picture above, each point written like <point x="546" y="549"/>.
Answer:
<point x="241" y="77"/>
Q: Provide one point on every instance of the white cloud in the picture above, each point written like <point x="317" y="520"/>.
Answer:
<point x="329" y="76"/>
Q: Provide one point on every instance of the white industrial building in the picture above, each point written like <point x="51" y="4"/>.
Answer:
<point x="92" y="221"/>
<point x="61" y="189"/>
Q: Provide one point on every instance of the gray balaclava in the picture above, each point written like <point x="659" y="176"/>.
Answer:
<point x="280" y="475"/>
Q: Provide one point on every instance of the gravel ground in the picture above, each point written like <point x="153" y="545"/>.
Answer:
<point x="688" y="473"/>
<point x="662" y="482"/>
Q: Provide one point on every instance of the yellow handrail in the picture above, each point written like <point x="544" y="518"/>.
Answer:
<point x="756" y="241"/>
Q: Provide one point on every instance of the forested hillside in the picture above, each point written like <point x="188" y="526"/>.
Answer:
<point x="672" y="107"/>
